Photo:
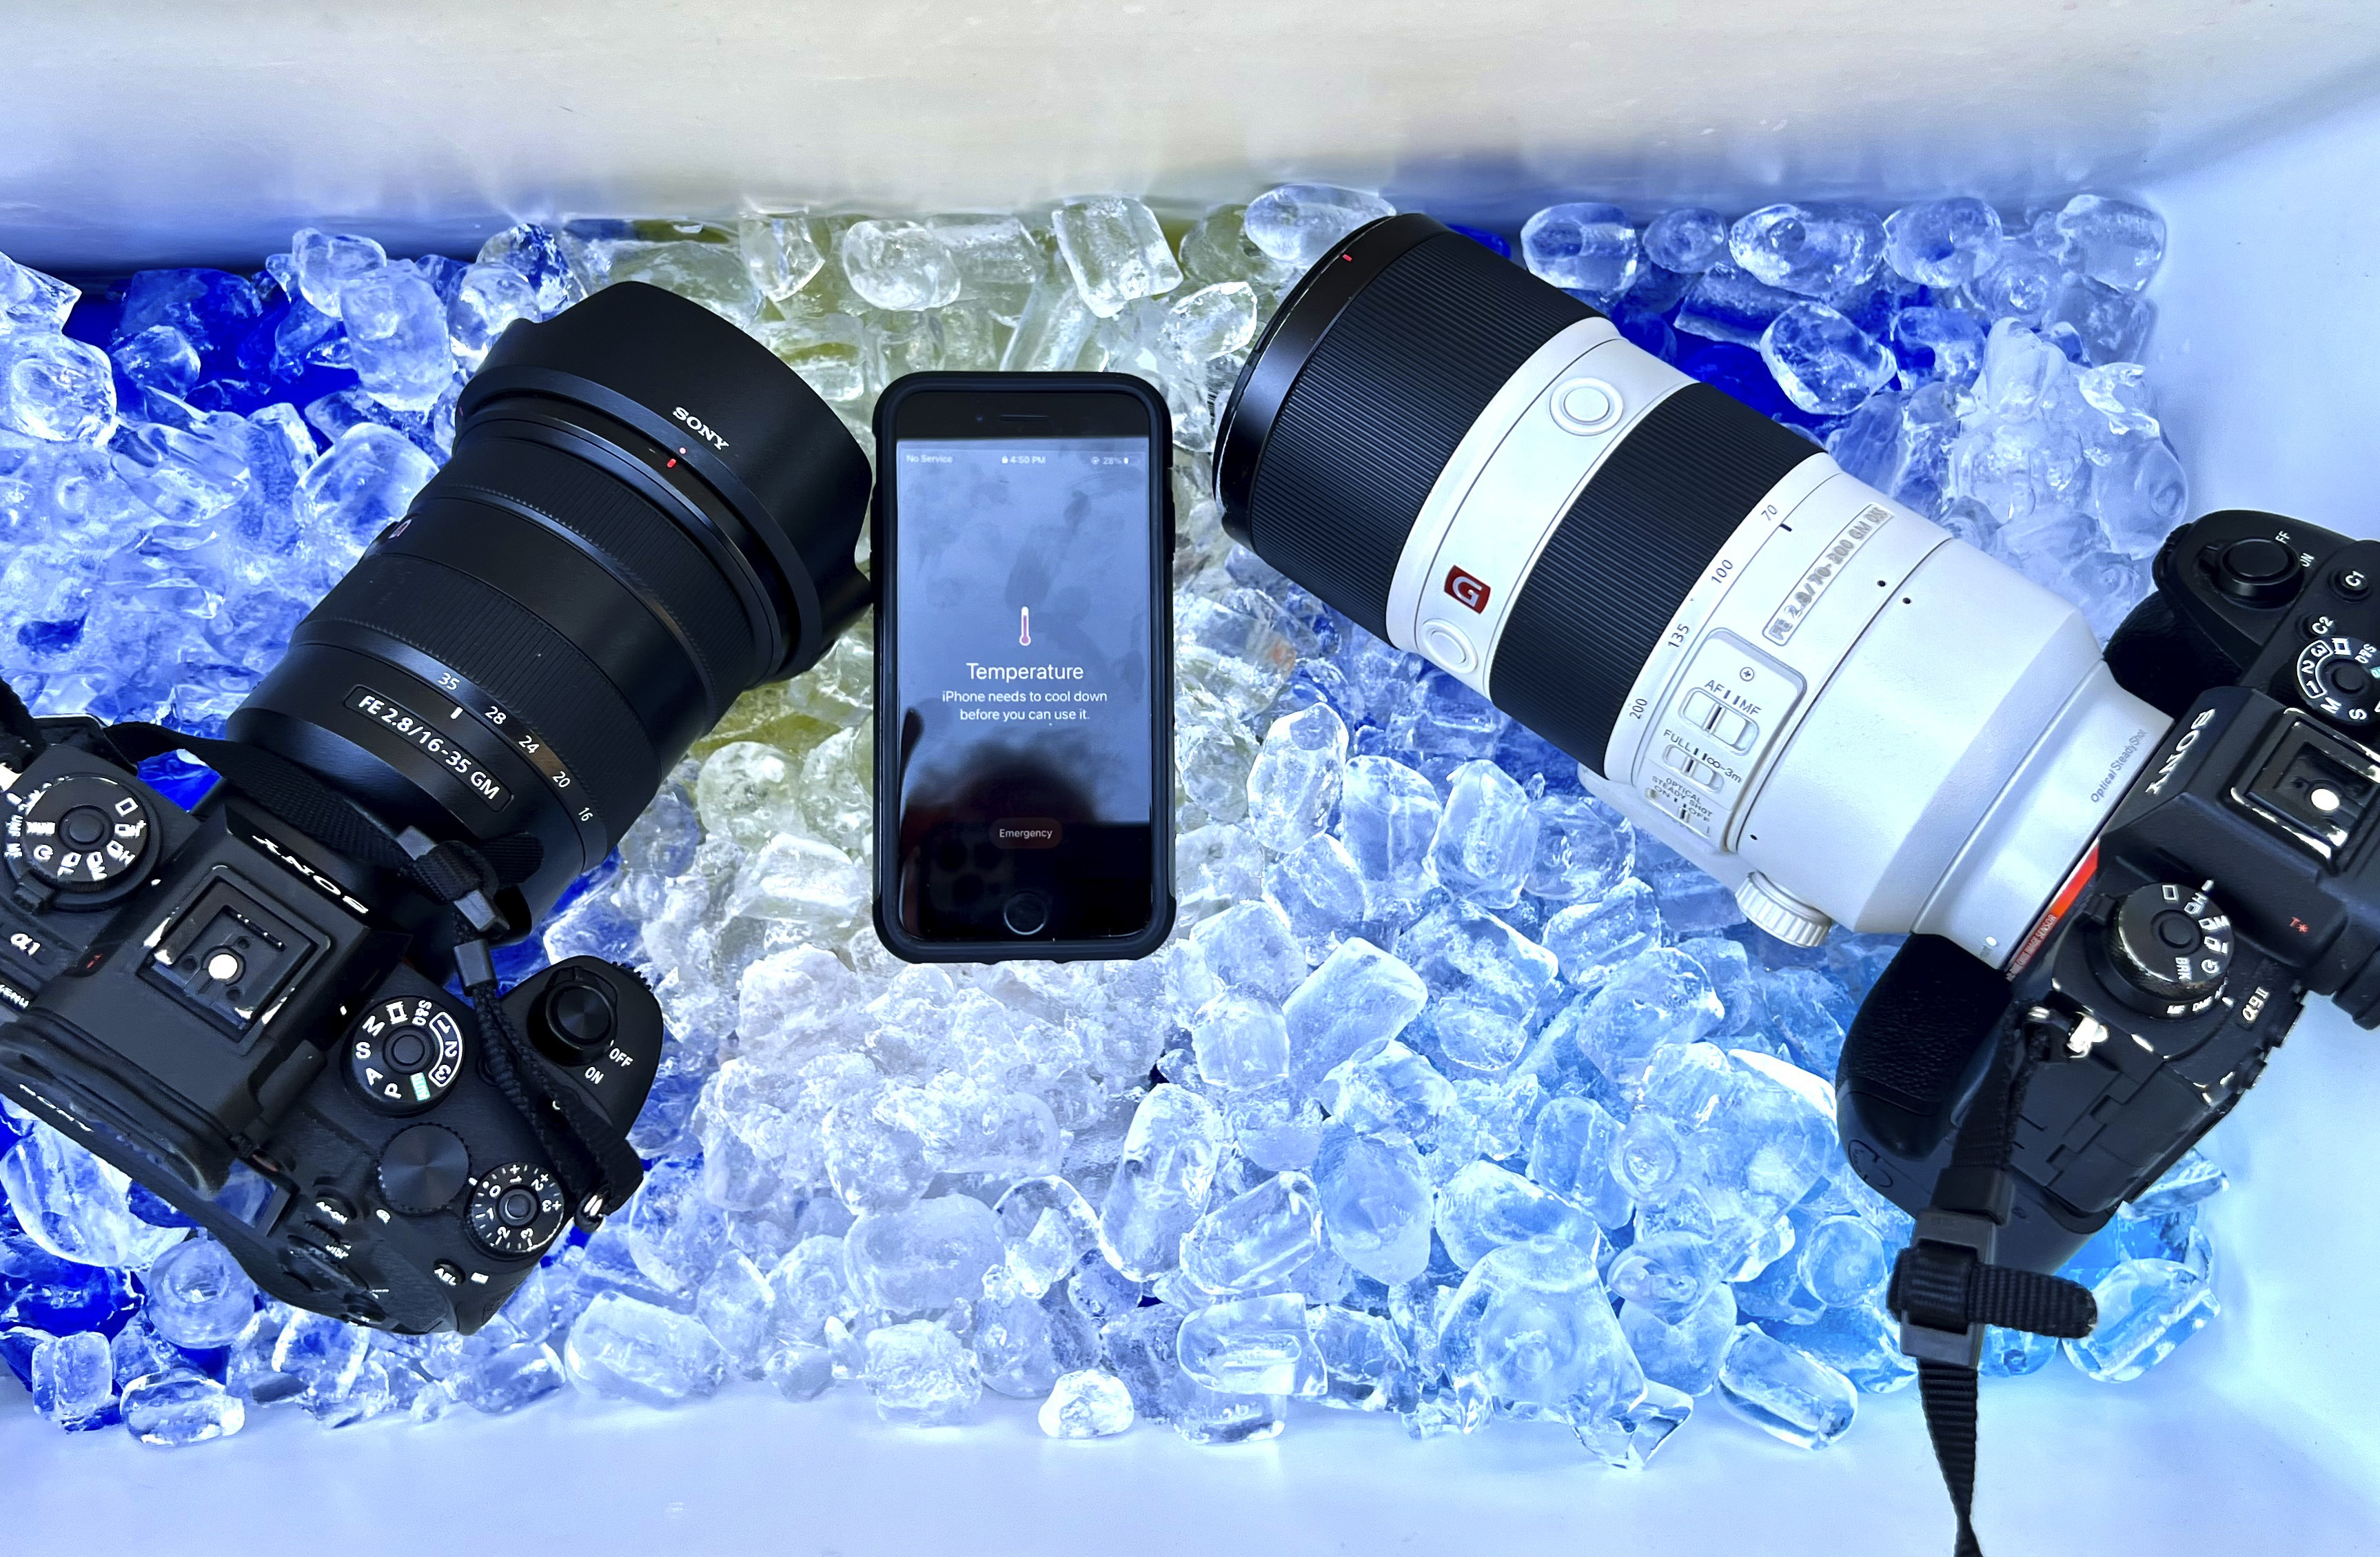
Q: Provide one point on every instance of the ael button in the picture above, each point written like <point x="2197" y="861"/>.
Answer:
<point x="2258" y="572"/>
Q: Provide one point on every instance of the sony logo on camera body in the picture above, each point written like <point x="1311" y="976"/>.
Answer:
<point x="701" y="428"/>
<point x="2180" y="750"/>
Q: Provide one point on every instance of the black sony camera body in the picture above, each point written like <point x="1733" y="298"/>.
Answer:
<point x="248" y="1007"/>
<point x="2236" y="876"/>
<point x="206" y="1000"/>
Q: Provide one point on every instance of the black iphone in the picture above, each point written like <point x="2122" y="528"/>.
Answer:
<point x="1024" y="667"/>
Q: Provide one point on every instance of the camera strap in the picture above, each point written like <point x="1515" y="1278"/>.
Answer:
<point x="1945" y="1287"/>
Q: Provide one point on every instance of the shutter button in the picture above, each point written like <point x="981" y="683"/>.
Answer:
<point x="1587" y="406"/>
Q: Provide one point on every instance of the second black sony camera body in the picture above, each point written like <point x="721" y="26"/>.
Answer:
<point x="279" y="1010"/>
<point x="2238" y="876"/>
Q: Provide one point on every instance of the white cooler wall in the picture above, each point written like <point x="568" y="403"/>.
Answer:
<point x="151" y="132"/>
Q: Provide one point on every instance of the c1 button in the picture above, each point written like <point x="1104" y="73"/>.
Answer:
<point x="2350" y="583"/>
<point x="1447" y="645"/>
<point x="1587" y="406"/>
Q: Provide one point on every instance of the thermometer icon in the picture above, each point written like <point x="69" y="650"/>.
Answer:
<point x="1023" y="625"/>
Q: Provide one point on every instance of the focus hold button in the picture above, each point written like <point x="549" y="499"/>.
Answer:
<point x="1447" y="646"/>
<point x="1587" y="406"/>
<point x="2258" y="572"/>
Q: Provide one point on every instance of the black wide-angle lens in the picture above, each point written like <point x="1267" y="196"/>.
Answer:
<point x="646" y="514"/>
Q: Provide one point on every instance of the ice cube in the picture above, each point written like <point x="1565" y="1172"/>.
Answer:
<point x="2094" y="324"/>
<point x="1317" y="888"/>
<point x="1659" y="997"/>
<point x="58" y="390"/>
<point x="1090" y="1403"/>
<point x="1942" y="243"/>
<point x="326" y="262"/>
<point x="1215" y="321"/>
<point x="1805" y="1403"/>
<point x="487" y="301"/>
<point x="1728" y="303"/>
<point x="1486" y="837"/>
<point x="923" y="1257"/>
<point x="1375" y="1203"/>
<point x="781" y="249"/>
<point x="73" y="1378"/>
<point x="1487" y="982"/>
<point x="921" y="1375"/>
<point x="505" y="1379"/>
<point x="1299" y="224"/>
<point x="2116" y="243"/>
<point x="397" y="337"/>
<point x="159" y="357"/>
<point x="2016" y="286"/>
<point x="1249" y="949"/>
<point x="2147" y="1309"/>
<point x="1056" y="324"/>
<point x="1574" y="1364"/>
<point x="637" y="1351"/>
<point x="179" y="1407"/>
<point x="1684" y="1352"/>
<point x="1843" y="1261"/>
<point x="1667" y="1273"/>
<point x="32" y="302"/>
<point x="198" y="1298"/>
<point x="1046" y="1227"/>
<point x="1582" y="247"/>
<point x="1255" y="1239"/>
<point x="1859" y="1340"/>
<point x="1937" y="344"/>
<point x="1816" y="250"/>
<point x="1486" y="1207"/>
<point x="1359" y="995"/>
<point x="899" y="265"/>
<point x="365" y="480"/>
<point x="1241" y="1043"/>
<point x="1583" y="848"/>
<point x="1161" y="1184"/>
<point x="1388" y="1089"/>
<point x="1572" y="1153"/>
<point x="809" y="1287"/>
<point x="76" y="1206"/>
<point x="827" y="351"/>
<point x="1823" y="362"/>
<point x="1114" y="250"/>
<point x="1686" y="238"/>
<point x="1296" y="778"/>
<point x="1253" y="1345"/>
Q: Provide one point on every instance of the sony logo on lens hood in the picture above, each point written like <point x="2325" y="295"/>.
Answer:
<point x="699" y="426"/>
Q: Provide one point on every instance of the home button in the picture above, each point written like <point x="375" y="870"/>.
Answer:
<point x="1027" y="913"/>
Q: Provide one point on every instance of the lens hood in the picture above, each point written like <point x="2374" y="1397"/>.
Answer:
<point x="785" y="470"/>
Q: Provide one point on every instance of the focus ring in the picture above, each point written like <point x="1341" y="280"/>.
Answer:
<point x="479" y="632"/>
<point x="1361" y="437"/>
<point x="1594" y="607"/>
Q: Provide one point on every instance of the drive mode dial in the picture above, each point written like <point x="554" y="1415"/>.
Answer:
<point x="2173" y="944"/>
<point x="78" y="834"/>
<point x="2338" y="679"/>
<point x="406" y="1054"/>
<point x="515" y="1210"/>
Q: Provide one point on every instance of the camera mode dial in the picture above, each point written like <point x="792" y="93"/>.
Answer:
<point x="404" y="1055"/>
<point x="2339" y="678"/>
<point x="515" y="1210"/>
<point x="81" y="834"/>
<point x="2173" y="944"/>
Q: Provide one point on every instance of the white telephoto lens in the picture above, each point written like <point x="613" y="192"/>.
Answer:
<point x="1815" y="693"/>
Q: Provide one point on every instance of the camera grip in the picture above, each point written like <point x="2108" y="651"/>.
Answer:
<point x="1920" y="1038"/>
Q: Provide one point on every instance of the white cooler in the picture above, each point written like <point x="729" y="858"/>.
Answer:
<point x="134" y="134"/>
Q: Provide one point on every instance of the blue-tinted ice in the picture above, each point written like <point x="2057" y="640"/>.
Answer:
<point x="1452" y="1098"/>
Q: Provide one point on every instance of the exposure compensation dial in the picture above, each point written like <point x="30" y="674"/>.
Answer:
<point x="515" y="1210"/>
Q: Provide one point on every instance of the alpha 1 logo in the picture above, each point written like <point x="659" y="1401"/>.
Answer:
<point x="1467" y="588"/>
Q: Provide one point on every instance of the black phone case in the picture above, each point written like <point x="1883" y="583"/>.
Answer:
<point x="901" y="944"/>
